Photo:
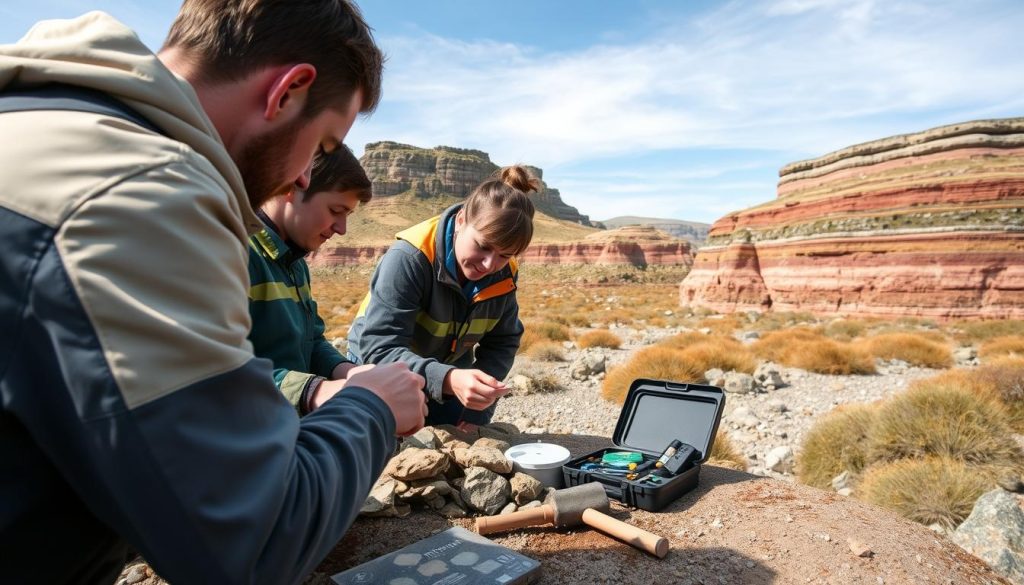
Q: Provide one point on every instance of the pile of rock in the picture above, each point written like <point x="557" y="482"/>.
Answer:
<point x="767" y="377"/>
<point x="454" y="473"/>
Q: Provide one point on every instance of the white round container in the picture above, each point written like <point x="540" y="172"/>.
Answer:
<point x="543" y="461"/>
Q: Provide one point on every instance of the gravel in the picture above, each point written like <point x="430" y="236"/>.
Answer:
<point x="757" y="423"/>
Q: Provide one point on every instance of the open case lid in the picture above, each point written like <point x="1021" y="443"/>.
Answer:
<point x="657" y="412"/>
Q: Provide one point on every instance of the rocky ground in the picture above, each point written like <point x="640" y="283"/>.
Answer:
<point x="759" y="423"/>
<point x="734" y="528"/>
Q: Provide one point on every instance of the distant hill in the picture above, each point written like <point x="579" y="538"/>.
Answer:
<point x="692" y="231"/>
<point x="411" y="184"/>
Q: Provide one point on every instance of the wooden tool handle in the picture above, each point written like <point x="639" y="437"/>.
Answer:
<point x="637" y="537"/>
<point x="533" y="517"/>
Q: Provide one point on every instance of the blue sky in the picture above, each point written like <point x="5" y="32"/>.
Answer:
<point x="681" y="109"/>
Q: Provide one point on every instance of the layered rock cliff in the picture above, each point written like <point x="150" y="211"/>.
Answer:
<point x="636" y="246"/>
<point x="446" y="171"/>
<point x="926" y="224"/>
<point x="633" y="245"/>
<point x="694" y="232"/>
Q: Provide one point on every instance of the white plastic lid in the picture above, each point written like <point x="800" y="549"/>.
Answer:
<point x="538" y="455"/>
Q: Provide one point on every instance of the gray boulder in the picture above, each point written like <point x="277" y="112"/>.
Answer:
<point x="994" y="532"/>
<point x="485" y="490"/>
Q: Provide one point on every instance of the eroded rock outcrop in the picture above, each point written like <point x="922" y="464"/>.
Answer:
<point x="427" y="172"/>
<point x="634" y="245"/>
<point x="927" y="224"/>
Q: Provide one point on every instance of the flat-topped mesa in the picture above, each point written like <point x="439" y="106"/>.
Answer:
<point x="632" y="245"/>
<point x="397" y="168"/>
<point x="927" y="224"/>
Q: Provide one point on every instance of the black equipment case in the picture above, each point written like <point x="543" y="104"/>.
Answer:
<point x="654" y="414"/>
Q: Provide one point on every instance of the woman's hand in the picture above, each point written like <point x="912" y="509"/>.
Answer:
<point x="476" y="390"/>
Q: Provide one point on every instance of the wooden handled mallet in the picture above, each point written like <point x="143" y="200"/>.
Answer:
<point x="582" y="504"/>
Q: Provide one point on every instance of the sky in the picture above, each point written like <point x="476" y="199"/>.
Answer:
<point x="681" y="109"/>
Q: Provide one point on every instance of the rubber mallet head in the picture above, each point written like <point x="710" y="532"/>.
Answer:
<point x="570" y="503"/>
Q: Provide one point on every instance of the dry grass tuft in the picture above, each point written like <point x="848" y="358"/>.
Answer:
<point x="934" y="490"/>
<point x="1003" y="380"/>
<point x="836" y="443"/>
<point x="546" y="351"/>
<point x="934" y="420"/>
<point x="724" y="353"/>
<point x="975" y="331"/>
<point x="809" y="350"/>
<point x="711" y="351"/>
<point x="683" y="340"/>
<point x="657" y="363"/>
<point x="773" y="345"/>
<point x="913" y="348"/>
<point x="599" y="338"/>
<point x="725" y="454"/>
<point x="1005" y="346"/>
<point x="845" y="329"/>
<point x="539" y="331"/>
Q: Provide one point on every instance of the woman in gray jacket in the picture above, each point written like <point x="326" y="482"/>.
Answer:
<point x="442" y="299"/>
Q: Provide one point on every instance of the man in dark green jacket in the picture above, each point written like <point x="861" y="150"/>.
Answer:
<point x="286" y="328"/>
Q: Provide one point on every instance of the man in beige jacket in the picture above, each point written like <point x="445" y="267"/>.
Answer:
<point x="132" y="410"/>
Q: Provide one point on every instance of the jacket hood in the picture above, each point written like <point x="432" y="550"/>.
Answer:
<point x="96" y="51"/>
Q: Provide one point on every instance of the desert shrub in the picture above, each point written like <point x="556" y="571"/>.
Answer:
<point x="538" y="331"/>
<point x="711" y="351"/>
<point x="957" y="379"/>
<point x="912" y="348"/>
<point x="725" y="454"/>
<point x="1007" y="345"/>
<point x="658" y="363"/>
<point x="775" y="320"/>
<point x="546" y="351"/>
<point x="811" y="351"/>
<point x="975" y="331"/>
<point x="613" y="316"/>
<point x="934" y="490"/>
<point x="723" y="324"/>
<point x="720" y="352"/>
<point x="551" y="330"/>
<point x="1003" y="378"/>
<point x="683" y="340"/>
<point x="599" y="338"/>
<point x="570" y="319"/>
<point x="529" y="338"/>
<point x="836" y="443"/>
<point x="774" y="344"/>
<point x="935" y="420"/>
<point x="845" y="329"/>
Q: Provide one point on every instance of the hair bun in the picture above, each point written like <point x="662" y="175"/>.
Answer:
<point x="520" y="178"/>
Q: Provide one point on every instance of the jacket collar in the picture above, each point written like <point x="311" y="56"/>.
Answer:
<point x="273" y="245"/>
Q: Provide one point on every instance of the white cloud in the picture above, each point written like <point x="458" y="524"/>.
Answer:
<point x="793" y="78"/>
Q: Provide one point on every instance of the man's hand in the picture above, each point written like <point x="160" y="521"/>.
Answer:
<point x="475" y="389"/>
<point x="328" y="388"/>
<point x="400" y="389"/>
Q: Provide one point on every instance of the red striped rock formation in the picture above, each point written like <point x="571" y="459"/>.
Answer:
<point x="925" y="224"/>
<point x="634" y="245"/>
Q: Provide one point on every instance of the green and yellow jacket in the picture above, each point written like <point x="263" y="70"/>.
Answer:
<point x="417" y="312"/>
<point x="286" y="328"/>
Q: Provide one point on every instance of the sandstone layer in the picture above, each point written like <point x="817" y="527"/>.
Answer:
<point x="694" y="232"/>
<point x="634" y="245"/>
<point x="926" y="224"/>
<point x="446" y="171"/>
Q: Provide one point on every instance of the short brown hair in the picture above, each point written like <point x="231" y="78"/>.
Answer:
<point x="501" y="210"/>
<point x="339" y="170"/>
<point x="230" y="39"/>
